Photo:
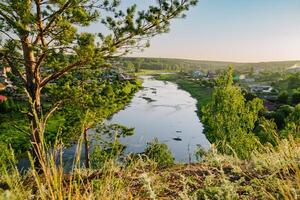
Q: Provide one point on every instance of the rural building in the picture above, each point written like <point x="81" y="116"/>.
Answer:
<point x="197" y="74"/>
<point x="261" y="89"/>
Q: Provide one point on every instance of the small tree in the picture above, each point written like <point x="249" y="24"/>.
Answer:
<point x="42" y="42"/>
<point x="229" y="120"/>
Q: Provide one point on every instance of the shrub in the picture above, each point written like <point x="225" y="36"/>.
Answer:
<point x="4" y="106"/>
<point x="283" y="97"/>
<point x="281" y="114"/>
<point x="296" y="97"/>
<point x="102" y="155"/>
<point x="159" y="153"/>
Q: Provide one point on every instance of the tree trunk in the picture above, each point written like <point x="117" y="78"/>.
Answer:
<point x="37" y="131"/>
<point x="87" y="148"/>
<point x="34" y="93"/>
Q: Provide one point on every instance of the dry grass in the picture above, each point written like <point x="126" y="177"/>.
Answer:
<point x="271" y="174"/>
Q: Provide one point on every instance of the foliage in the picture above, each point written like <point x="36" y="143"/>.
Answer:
<point x="272" y="69"/>
<point x="41" y="42"/>
<point x="94" y="100"/>
<point x="4" y="106"/>
<point x="296" y="97"/>
<point x="160" y="153"/>
<point x="200" y="152"/>
<point x="288" y="82"/>
<point x="229" y="120"/>
<point x="107" y="145"/>
<point x="100" y="155"/>
<point x="14" y="131"/>
<point x="280" y="115"/>
<point x="283" y="97"/>
<point x="267" y="131"/>
<point x="292" y="123"/>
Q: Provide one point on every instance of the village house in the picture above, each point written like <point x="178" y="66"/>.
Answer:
<point x="261" y="89"/>
<point x="197" y="74"/>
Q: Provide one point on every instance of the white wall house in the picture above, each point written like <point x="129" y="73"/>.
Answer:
<point x="261" y="89"/>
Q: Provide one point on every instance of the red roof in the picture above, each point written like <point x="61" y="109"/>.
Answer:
<point x="3" y="98"/>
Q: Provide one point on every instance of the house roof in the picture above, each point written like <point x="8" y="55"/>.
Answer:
<point x="3" y="98"/>
<point x="2" y="86"/>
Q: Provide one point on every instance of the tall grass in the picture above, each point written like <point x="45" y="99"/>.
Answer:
<point x="271" y="173"/>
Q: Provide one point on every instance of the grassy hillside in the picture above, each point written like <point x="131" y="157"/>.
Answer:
<point x="272" y="173"/>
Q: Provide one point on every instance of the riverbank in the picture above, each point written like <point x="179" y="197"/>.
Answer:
<point x="201" y="92"/>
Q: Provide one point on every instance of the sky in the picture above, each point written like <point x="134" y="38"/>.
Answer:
<point x="231" y="30"/>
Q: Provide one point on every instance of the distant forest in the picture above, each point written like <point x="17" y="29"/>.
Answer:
<point x="187" y="65"/>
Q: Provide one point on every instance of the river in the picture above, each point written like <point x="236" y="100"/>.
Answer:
<point x="161" y="110"/>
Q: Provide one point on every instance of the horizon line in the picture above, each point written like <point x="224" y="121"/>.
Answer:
<point x="224" y="61"/>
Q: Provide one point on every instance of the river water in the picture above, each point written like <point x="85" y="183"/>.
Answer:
<point x="161" y="110"/>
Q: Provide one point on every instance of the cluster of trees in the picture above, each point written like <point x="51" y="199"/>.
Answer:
<point x="82" y="100"/>
<point x="289" y="86"/>
<point x="239" y="125"/>
<point x="189" y="65"/>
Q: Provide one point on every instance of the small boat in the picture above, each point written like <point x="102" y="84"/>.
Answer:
<point x="178" y="131"/>
<point x="177" y="139"/>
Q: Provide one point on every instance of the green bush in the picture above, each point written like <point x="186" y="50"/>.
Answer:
<point x="4" y="106"/>
<point x="280" y="115"/>
<point x="283" y="97"/>
<point x="103" y="153"/>
<point x="159" y="153"/>
<point x="296" y="97"/>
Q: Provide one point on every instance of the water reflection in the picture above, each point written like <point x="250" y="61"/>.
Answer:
<point x="161" y="110"/>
